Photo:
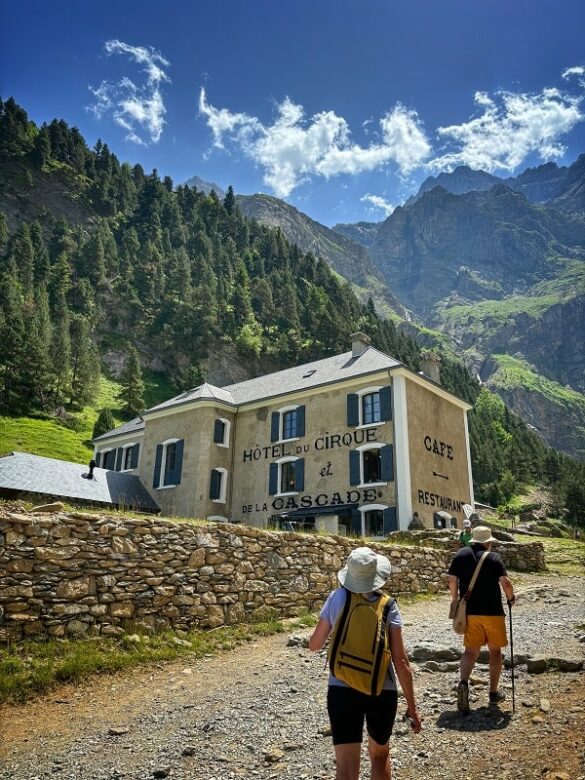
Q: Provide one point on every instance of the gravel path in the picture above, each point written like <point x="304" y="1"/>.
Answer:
<point x="259" y="711"/>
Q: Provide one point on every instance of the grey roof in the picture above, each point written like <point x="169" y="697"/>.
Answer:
<point x="203" y="392"/>
<point x="132" y="426"/>
<point x="48" y="476"/>
<point x="320" y="372"/>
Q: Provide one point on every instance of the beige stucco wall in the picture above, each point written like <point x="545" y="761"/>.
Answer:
<point x="438" y="454"/>
<point x="200" y="455"/>
<point x="326" y="459"/>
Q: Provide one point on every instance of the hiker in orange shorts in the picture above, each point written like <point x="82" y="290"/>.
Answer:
<point x="485" y="614"/>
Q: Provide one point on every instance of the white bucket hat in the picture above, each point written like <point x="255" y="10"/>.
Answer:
<point x="364" y="571"/>
<point x="467" y="524"/>
<point x="482" y="535"/>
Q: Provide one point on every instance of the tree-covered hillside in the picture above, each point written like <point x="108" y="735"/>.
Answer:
<point x="95" y="252"/>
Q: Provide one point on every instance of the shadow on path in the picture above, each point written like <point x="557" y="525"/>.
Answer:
<point x="480" y="719"/>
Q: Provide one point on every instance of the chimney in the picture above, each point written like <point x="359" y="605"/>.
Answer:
<point x="92" y="465"/>
<point x="359" y="343"/>
<point x="430" y="363"/>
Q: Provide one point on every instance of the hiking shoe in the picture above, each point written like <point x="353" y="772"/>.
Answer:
<point x="497" y="697"/>
<point x="463" y="697"/>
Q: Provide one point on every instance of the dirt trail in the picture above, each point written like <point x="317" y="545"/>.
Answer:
<point x="259" y="711"/>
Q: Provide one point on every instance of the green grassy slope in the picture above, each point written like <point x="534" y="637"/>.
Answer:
<point x="70" y="439"/>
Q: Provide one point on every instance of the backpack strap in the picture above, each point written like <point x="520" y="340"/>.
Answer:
<point x="341" y="620"/>
<point x="382" y="642"/>
<point x="475" y="574"/>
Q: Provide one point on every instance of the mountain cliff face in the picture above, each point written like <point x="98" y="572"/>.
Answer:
<point x="347" y="257"/>
<point x="206" y="187"/>
<point x="481" y="245"/>
<point x="363" y="233"/>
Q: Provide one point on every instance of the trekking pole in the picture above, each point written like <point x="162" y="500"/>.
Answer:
<point x="512" y="658"/>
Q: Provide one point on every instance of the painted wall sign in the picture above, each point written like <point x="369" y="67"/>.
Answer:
<point x="438" y="447"/>
<point x="329" y="441"/>
<point x="280" y="503"/>
<point x="440" y="502"/>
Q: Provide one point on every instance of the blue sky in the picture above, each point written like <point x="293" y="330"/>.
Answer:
<point x="341" y="107"/>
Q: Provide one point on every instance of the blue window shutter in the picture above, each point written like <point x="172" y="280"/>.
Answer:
<point x="119" y="456"/>
<point x="353" y="411"/>
<point x="97" y="458"/>
<point x="300" y="474"/>
<point x="214" y="484"/>
<point x="157" y="464"/>
<point x="387" y="458"/>
<point x="178" y="462"/>
<point x="386" y="403"/>
<point x="218" y="430"/>
<point x="275" y="426"/>
<point x="354" y="467"/>
<point x="134" y="457"/>
<point x="389" y="520"/>
<point x="273" y="479"/>
<point x="300" y="421"/>
<point x="356" y="522"/>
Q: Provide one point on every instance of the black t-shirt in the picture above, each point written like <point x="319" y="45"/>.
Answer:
<point x="486" y="597"/>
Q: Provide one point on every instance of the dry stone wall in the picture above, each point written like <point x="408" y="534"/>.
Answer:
<point x="79" y="574"/>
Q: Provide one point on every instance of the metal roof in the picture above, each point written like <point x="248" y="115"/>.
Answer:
<point x="201" y="393"/>
<point x="134" y="425"/>
<point x="49" y="476"/>
<point x="321" y="372"/>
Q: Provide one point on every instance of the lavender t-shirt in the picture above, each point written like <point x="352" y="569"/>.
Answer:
<point x="330" y="612"/>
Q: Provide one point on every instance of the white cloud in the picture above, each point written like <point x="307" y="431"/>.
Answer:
<point x="505" y="129"/>
<point x="577" y="70"/>
<point x="510" y="127"/>
<point x="294" y="148"/>
<point x="139" y="109"/>
<point x="378" y="202"/>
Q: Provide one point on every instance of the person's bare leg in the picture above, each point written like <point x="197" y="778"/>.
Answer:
<point x="495" y="667"/>
<point x="380" y="760"/>
<point x="468" y="660"/>
<point x="347" y="760"/>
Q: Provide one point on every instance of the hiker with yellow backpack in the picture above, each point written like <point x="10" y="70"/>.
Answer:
<point x="366" y="655"/>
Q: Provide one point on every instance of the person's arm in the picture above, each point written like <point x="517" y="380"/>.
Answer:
<point x="404" y="673"/>
<point x="320" y="635"/>
<point x="454" y="590"/>
<point x="508" y="588"/>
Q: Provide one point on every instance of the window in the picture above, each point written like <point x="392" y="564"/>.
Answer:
<point x="287" y="476"/>
<point x="374" y="520"/>
<point x="221" y="432"/>
<point x="129" y="457"/>
<point x="369" y="406"/>
<point x="374" y="523"/>
<point x="168" y="462"/>
<point x="109" y="459"/>
<point x="287" y="423"/>
<point x="371" y="464"/>
<point x="218" y="485"/>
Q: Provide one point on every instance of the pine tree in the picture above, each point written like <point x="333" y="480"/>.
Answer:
<point x="12" y="356"/>
<point x="132" y="392"/>
<point x="3" y="232"/>
<point x="85" y="363"/>
<point x="104" y="423"/>
<point x="229" y="202"/>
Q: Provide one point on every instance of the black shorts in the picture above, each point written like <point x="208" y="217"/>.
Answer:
<point x="347" y="709"/>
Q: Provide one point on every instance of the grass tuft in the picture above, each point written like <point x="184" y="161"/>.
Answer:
<point x="32" y="667"/>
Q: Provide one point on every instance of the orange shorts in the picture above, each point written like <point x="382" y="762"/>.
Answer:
<point x="485" y="630"/>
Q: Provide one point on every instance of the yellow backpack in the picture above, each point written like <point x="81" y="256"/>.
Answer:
<point x="359" y="652"/>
